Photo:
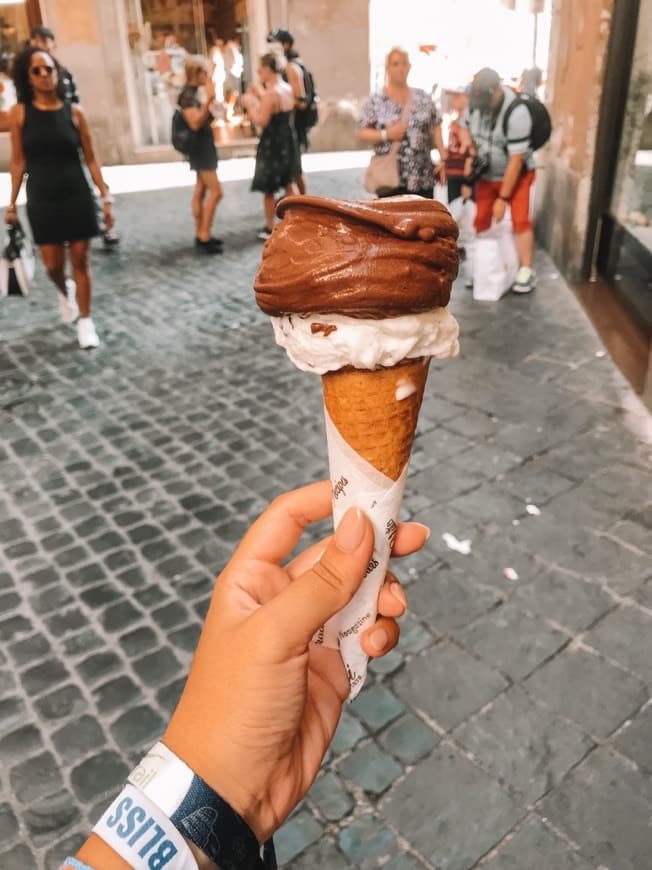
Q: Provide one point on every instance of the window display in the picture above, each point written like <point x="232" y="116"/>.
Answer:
<point x="162" y="33"/>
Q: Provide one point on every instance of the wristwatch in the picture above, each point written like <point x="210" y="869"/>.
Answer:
<point x="383" y="134"/>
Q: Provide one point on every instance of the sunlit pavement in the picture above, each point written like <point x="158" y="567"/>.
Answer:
<point x="513" y="726"/>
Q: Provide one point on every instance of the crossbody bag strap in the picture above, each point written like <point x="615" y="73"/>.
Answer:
<point x="405" y="116"/>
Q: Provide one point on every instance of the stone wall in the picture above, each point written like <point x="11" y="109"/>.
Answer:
<point x="579" y="36"/>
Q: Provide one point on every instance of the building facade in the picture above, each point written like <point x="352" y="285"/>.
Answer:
<point x="127" y="57"/>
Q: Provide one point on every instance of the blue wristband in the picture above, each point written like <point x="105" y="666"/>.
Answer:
<point x="74" y="864"/>
<point x="199" y="813"/>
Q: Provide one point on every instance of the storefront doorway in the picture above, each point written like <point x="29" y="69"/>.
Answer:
<point x="161" y="34"/>
<point x="623" y="176"/>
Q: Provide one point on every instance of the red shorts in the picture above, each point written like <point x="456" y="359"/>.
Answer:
<point x="486" y="193"/>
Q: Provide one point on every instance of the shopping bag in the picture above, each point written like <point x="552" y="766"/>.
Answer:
<point x="440" y="193"/>
<point x="463" y="211"/>
<point x="18" y="263"/>
<point x="495" y="262"/>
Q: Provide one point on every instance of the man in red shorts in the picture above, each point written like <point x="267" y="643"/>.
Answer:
<point x="504" y="165"/>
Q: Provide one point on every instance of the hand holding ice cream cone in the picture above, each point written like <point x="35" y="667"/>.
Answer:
<point x="358" y="293"/>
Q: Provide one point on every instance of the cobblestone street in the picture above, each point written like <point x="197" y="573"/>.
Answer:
<point x="512" y="727"/>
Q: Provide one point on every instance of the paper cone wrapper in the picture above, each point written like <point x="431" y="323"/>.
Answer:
<point x="371" y="418"/>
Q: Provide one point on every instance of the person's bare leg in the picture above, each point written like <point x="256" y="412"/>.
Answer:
<point x="269" y="206"/>
<point x="81" y="274"/>
<point x="525" y="248"/>
<point x="196" y="203"/>
<point x="301" y="185"/>
<point x="209" y="205"/>
<point x="54" y="260"/>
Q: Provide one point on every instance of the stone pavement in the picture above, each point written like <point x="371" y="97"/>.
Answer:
<point x="513" y="726"/>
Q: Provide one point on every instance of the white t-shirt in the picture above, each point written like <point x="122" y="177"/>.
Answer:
<point x="490" y="140"/>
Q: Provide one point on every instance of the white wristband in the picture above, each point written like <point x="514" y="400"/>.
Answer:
<point x="142" y="835"/>
<point x="383" y="135"/>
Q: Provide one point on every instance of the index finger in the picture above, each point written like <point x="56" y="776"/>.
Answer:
<point x="278" y="529"/>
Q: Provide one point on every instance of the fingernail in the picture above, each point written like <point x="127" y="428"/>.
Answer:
<point x="397" y="591"/>
<point x="349" y="533"/>
<point x="425" y="529"/>
<point x="379" y="639"/>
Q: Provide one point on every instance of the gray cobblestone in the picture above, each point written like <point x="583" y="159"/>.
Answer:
<point x="129" y="473"/>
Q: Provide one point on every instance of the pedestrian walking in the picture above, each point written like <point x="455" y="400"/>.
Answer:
<point x="405" y="115"/>
<point x="503" y="165"/>
<point x="197" y="103"/>
<point x="44" y="38"/>
<point x="47" y="132"/>
<point x="270" y="105"/>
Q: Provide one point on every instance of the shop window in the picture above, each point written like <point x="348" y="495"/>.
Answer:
<point x="161" y="34"/>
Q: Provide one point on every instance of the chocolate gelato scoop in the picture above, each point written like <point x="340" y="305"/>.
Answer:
<point x="368" y="259"/>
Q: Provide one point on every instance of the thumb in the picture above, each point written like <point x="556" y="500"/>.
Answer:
<point x="296" y="614"/>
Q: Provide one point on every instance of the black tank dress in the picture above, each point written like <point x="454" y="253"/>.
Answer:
<point x="60" y="205"/>
<point x="277" y="156"/>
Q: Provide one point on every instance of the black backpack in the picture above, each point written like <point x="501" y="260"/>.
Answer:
<point x="182" y="135"/>
<point x="309" y="115"/>
<point x="541" y="122"/>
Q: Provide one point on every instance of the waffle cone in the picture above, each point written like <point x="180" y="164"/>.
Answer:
<point x="367" y="409"/>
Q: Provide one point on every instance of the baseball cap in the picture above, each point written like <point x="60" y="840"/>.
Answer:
<point x="484" y="80"/>
<point x="280" y="35"/>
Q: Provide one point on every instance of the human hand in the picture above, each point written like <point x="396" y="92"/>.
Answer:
<point x="499" y="209"/>
<point x="209" y="91"/>
<point x="262" y="702"/>
<point x="11" y="215"/>
<point x="440" y="172"/>
<point x="107" y="215"/>
<point x="396" y="132"/>
<point x="467" y="192"/>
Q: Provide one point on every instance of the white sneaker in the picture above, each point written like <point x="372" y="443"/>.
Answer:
<point x="86" y="334"/>
<point x="525" y="280"/>
<point x="68" y="307"/>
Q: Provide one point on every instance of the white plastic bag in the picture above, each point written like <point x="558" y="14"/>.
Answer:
<point x="441" y="193"/>
<point x="495" y="262"/>
<point x="464" y="211"/>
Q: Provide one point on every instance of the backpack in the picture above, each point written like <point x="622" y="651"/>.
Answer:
<point x="309" y="115"/>
<point x="182" y="135"/>
<point x="541" y="122"/>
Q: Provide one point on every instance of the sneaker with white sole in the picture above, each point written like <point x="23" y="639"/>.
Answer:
<point x="525" y="280"/>
<point x="68" y="307"/>
<point x="86" y="334"/>
<point x="264" y="234"/>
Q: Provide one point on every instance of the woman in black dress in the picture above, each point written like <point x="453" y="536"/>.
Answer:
<point x="197" y="101"/>
<point x="50" y="140"/>
<point x="270" y="105"/>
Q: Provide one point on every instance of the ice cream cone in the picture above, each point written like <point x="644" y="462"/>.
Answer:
<point x="375" y="411"/>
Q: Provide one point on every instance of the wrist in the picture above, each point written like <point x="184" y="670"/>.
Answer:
<point x="11" y="207"/>
<point x="503" y="197"/>
<point x="180" y="739"/>
<point x="383" y="136"/>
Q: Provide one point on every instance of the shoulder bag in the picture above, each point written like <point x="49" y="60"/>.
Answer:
<point x="383" y="176"/>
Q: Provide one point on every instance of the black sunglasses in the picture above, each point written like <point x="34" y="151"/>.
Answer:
<point x="45" y="70"/>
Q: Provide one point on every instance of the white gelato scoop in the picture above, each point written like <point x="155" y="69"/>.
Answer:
<point x="323" y="343"/>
